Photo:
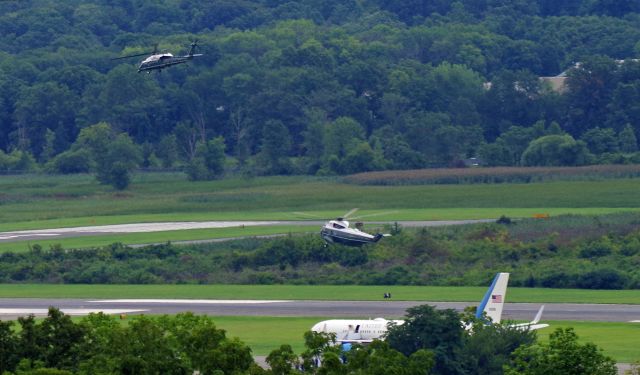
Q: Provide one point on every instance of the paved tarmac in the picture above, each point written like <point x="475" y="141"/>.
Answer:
<point x="323" y="309"/>
<point x="36" y="234"/>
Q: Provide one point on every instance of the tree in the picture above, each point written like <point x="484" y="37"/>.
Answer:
<point x="135" y="105"/>
<point x="590" y="87"/>
<point x="167" y="150"/>
<point x="113" y="155"/>
<point x="275" y="148"/>
<point x="8" y="347"/>
<point x="121" y="158"/>
<point x="180" y="344"/>
<point x="600" y="140"/>
<point x="556" y="150"/>
<point x="319" y="346"/>
<point x="71" y="161"/>
<point x="60" y="340"/>
<point x="627" y="139"/>
<point x="561" y="355"/>
<point x="379" y="358"/>
<point x="516" y="140"/>
<point x="119" y="175"/>
<point x="42" y="107"/>
<point x="427" y="328"/>
<point x="341" y="136"/>
<point x="21" y="161"/>
<point x="489" y="348"/>
<point x="395" y="151"/>
<point x="208" y="162"/>
<point x="361" y="159"/>
<point x="283" y="360"/>
<point x="214" y="157"/>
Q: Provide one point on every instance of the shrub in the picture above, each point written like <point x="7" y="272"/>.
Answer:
<point x="78" y="161"/>
<point x="602" y="279"/>
<point x="595" y="249"/>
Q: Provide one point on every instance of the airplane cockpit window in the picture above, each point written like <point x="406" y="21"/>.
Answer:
<point x="338" y="226"/>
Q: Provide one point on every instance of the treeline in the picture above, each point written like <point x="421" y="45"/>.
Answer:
<point x="331" y="87"/>
<point x="99" y="344"/>
<point x="429" y="342"/>
<point x="565" y="252"/>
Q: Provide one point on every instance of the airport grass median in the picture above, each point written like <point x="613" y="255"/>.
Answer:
<point x="314" y="292"/>
<point x="86" y="241"/>
<point x="263" y="334"/>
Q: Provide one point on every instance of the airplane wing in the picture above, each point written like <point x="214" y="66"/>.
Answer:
<point x="529" y="326"/>
<point x="534" y="324"/>
<point x="350" y="341"/>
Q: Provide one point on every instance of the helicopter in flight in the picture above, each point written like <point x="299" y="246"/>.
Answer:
<point x="339" y="231"/>
<point x="158" y="61"/>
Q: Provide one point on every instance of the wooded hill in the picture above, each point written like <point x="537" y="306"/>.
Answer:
<point x="319" y="87"/>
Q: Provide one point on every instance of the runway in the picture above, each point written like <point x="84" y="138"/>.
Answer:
<point x="36" y="234"/>
<point x="9" y="308"/>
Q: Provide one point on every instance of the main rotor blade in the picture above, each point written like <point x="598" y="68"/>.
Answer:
<point x="375" y="214"/>
<point x="353" y="211"/>
<point x="303" y="214"/>
<point x="136" y="55"/>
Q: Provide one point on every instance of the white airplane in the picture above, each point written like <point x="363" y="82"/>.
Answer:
<point x="351" y="331"/>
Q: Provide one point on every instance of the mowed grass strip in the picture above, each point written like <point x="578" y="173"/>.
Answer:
<point x="382" y="215"/>
<point x="266" y="333"/>
<point x="83" y="242"/>
<point x="32" y="199"/>
<point x="314" y="292"/>
<point x="621" y="341"/>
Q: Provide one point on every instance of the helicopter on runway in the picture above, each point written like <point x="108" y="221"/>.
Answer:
<point x="158" y="61"/>
<point x="339" y="231"/>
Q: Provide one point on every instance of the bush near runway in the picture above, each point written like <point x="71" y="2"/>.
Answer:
<point x="565" y="252"/>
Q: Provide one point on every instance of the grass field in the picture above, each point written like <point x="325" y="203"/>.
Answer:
<point x="34" y="201"/>
<point x="153" y="237"/>
<point x="314" y="292"/>
<point x="621" y="341"/>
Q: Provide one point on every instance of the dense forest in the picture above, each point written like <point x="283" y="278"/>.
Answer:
<point x="564" y="252"/>
<point x="319" y="87"/>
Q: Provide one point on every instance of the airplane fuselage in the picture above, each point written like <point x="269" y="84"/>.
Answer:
<point x="365" y="331"/>
<point x="355" y="330"/>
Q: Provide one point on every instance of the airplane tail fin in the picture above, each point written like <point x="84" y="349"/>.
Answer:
<point x="493" y="300"/>
<point x="538" y="316"/>
<point x="378" y="237"/>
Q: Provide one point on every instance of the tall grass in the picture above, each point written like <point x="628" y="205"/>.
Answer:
<point x="494" y="175"/>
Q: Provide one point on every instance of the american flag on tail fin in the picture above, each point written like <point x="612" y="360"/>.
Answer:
<point x="496" y="298"/>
